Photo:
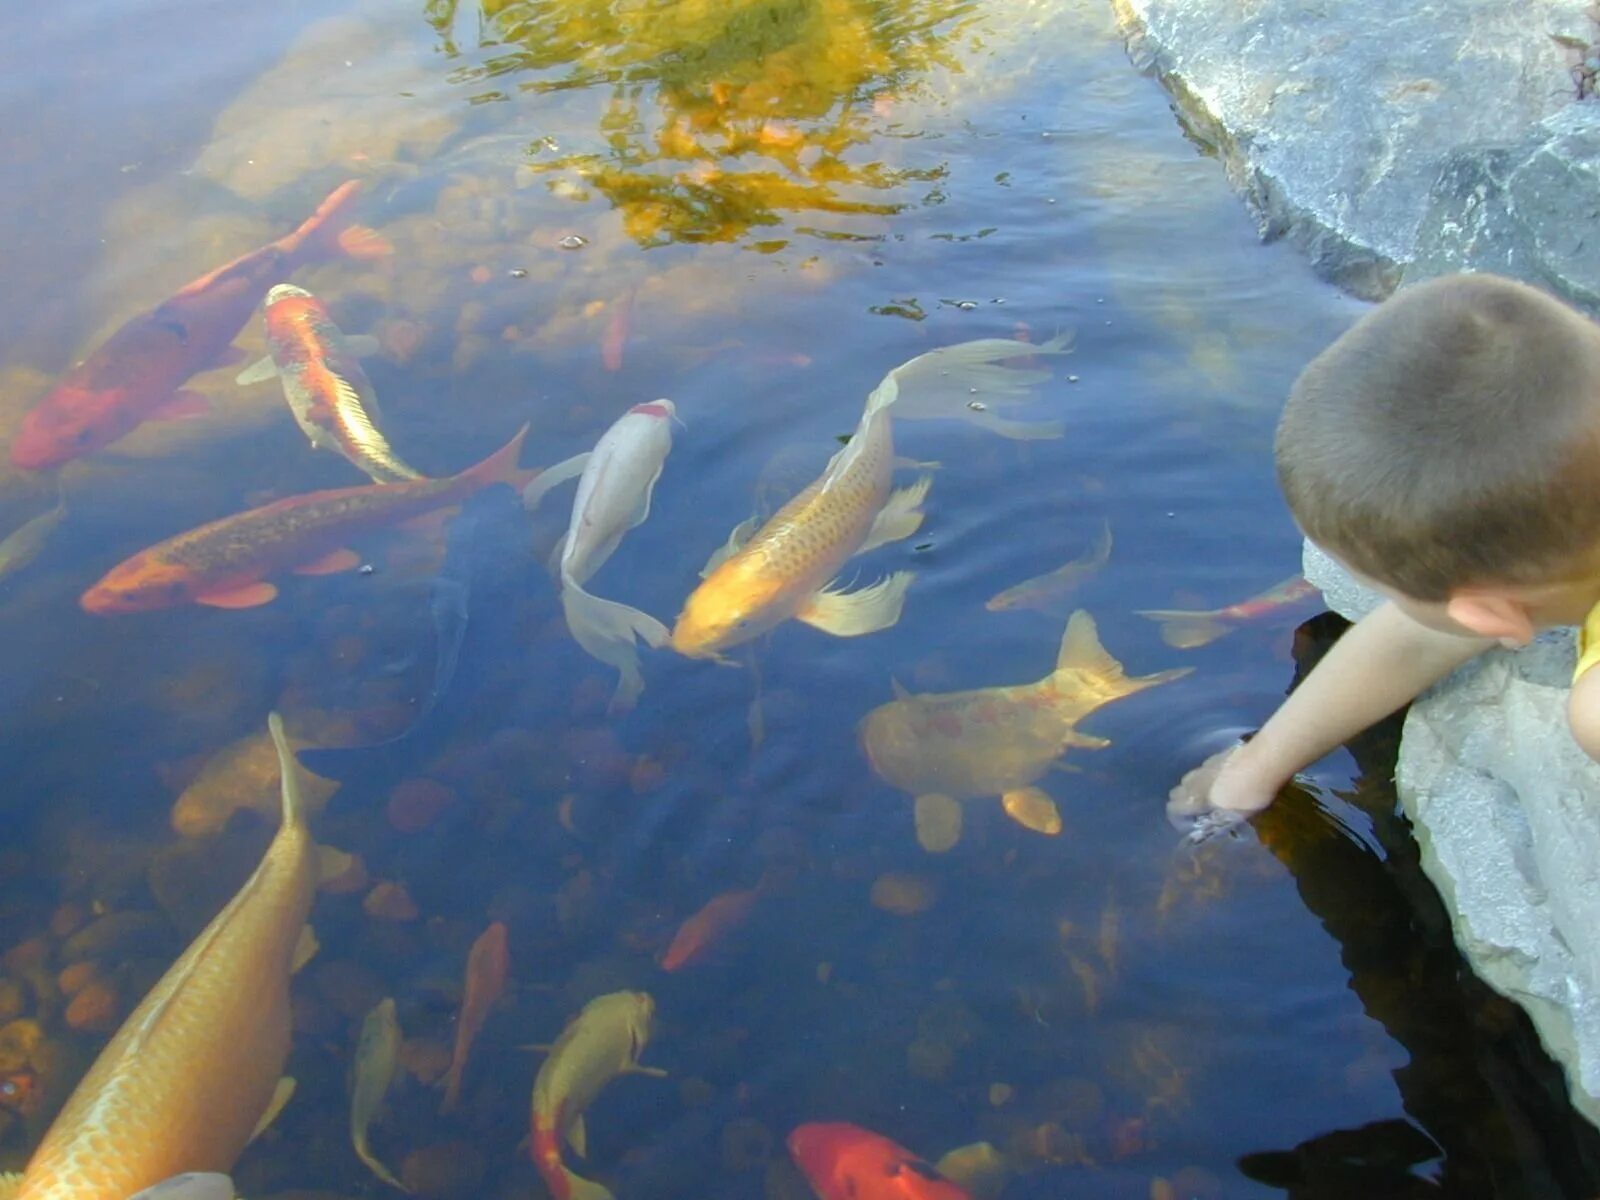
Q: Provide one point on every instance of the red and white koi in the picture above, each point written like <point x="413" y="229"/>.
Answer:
<point x="1185" y="629"/>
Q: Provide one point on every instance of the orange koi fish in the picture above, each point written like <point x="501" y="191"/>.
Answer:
<point x="488" y="964"/>
<point x="328" y="392"/>
<point x="846" y="1162"/>
<point x="1184" y="629"/>
<point x="193" y="1070"/>
<point x="603" y="1041"/>
<point x="226" y="563"/>
<point x="701" y="933"/>
<point x="136" y="374"/>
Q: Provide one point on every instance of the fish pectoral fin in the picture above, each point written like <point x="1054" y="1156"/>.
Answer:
<point x="653" y="1072"/>
<point x="851" y="614"/>
<point x="1184" y="630"/>
<point x="280" y="1097"/>
<point x="578" y="1137"/>
<point x="305" y="949"/>
<point x="546" y="479"/>
<point x="1033" y="809"/>
<point x="10" y="1181"/>
<point x="900" y="516"/>
<point x="250" y="595"/>
<point x="938" y="821"/>
<point x="362" y="345"/>
<point x="332" y="864"/>
<point x="1084" y="741"/>
<point x="742" y="533"/>
<point x="330" y="564"/>
<point x="377" y="1168"/>
<point x="182" y="406"/>
<point x="259" y="371"/>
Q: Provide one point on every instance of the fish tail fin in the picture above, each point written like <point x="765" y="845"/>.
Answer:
<point x="1183" y="629"/>
<point x="608" y="630"/>
<point x="10" y="1182"/>
<point x="950" y="381"/>
<point x="329" y="233"/>
<point x="289" y="767"/>
<point x="501" y="467"/>
<point x="579" y="1188"/>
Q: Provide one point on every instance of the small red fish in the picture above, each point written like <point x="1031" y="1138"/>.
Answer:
<point x="699" y="935"/>
<point x="488" y="965"/>
<point x="1185" y="629"/>
<point x="135" y="375"/>
<point x="846" y="1162"/>
<point x="226" y="563"/>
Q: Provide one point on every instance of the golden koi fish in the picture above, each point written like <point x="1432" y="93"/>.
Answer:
<point x="377" y="1055"/>
<point x="950" y="746"/>
<point x="1049" y="592"/>
<point x="193" y="1070"/>
<point x="783" y="569"/>
<point x="330" y="395"/>
<point x="603" y="1041"/>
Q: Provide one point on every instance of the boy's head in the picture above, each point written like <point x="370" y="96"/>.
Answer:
<point x="1448" y="444"/>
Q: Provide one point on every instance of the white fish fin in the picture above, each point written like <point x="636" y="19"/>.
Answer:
<point x="1099" y="552"/>
<point x="259" y="371"/>
<point x="944" y="382"/>
<point x="902" y="463"/>
<point x="1017" y="431"/>
<point x="551" y="476"/>
<point x="578" y="1136"/>
<point x="305" y="949"/>
<point x="193" y="1185"/>
<point x="900" y="516"/>
<point x="1081" y="649"/>
<point x="851" y="614"/>
<point x="607" y="631"/>
<point x="1183" y="630"/>
<point x="362" y="345"/>
<point x="557" y="552"/>
<point x="1083" y="741"/>
<point x="653" y="1072"/>
<point x="10" y="1181"/>
<point x="742" y="533"/>
<point x="979" y="1169"/>
<point x="280" y="1097"/>
<point x="641" y="512"/>
<point x="579" y="1188"/>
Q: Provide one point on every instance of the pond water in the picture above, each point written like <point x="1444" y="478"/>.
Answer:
<point x="756" y="209"/>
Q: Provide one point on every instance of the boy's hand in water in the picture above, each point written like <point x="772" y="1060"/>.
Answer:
<point x="1218" y="795"/>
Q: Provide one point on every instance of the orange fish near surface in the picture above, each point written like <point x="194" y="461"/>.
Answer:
<point x="183" y="1084"/>
<point x="136" y="374"/>
<point x="226" y="563"/>
<point x="699" y="935"/>
<point x="845" y="1162"/>
<point x="488" y="964"/>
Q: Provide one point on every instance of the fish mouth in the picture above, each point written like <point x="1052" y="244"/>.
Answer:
<point x="102" y="602"/>
<point x="285" y="291"/>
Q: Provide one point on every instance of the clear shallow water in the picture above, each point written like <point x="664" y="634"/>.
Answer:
<point x="778" y="203"/>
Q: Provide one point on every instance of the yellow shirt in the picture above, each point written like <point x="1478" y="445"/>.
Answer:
<point x="1588" y="643"/>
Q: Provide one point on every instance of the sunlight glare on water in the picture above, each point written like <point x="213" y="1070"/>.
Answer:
<point x="964" y="919"/>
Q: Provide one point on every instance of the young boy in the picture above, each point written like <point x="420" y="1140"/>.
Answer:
<point x="1446" y="450"/>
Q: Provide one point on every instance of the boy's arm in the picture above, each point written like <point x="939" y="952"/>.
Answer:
<point x="1382" y="662"/>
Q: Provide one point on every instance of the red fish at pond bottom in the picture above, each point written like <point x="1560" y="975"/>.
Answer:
<point x="226" y="563"/>
<point x="846" y="1162"/>
<point x="135" y="374"/>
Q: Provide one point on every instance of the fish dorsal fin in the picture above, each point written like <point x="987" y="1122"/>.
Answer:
<point x="1081" y="650"/>
<point x="259" y="371"/>
<point x="578" y="1137"/>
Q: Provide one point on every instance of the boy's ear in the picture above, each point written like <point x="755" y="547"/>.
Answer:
<point x="1491" y="614"/>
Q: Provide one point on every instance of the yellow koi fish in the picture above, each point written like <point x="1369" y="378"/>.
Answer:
<point x="1049" y="592"/>
<point x="188" y="1078"/>
<point x="950" y="746"/>
<point x="330" y="395"/>
<point x="377" y="1055"/>
<point x="603" y="1041"/>
<point x="782" y="570"/>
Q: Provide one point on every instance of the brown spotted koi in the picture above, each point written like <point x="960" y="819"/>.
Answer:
<point x="135" y="375"/>
<point x="330" y="395"/>
<point x="226" y="563"/>
<point x="195" y="1068"/>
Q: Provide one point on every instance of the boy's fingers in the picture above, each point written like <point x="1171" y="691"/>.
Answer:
<point x="1213" y="824"/>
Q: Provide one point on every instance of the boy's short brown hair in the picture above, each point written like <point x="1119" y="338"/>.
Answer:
<point x="1451" y="438"/>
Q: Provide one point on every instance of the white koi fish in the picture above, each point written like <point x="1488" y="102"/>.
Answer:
<point x="615" y="482"/>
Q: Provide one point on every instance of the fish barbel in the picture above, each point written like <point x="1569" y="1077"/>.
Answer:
<point x="783" y="569"/>
<point x="998" y="741"/>
<point x="135" y="375"/>
<point x="225" y="563"/>
<point x="186" y="1079"/>
<point x="602" y="1042"/>
<point x="328" y="392"/>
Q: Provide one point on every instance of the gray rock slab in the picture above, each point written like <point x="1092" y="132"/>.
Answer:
<point x="1353" y="127"/>
<point x="1506" y="810"/>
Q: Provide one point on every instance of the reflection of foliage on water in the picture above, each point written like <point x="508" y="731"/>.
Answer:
<point x="757" y="104"/>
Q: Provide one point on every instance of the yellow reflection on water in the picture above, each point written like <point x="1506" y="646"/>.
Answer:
<point x="721" y="115"/>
